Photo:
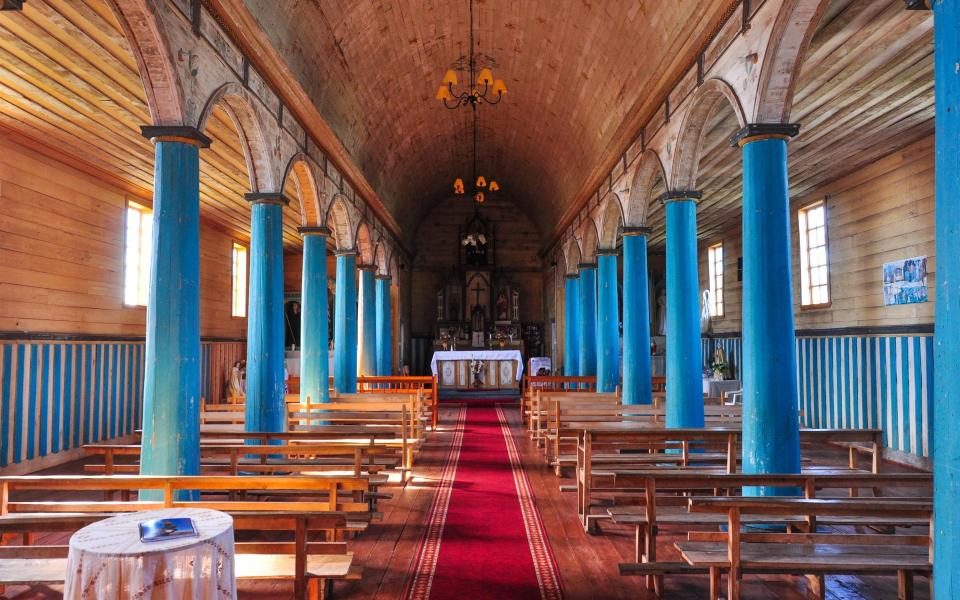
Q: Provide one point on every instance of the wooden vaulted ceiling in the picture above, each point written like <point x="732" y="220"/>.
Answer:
<point x="865" y="90"/>
<point x="69" y="82"/>
<point x="582" y="77"/>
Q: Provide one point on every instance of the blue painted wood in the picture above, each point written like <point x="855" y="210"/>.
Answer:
<point x="684" y="360"/>
<point x="171" y="397"/>
<point x="946" y="466"/>
<point x="637" y="387"/>
<point x="265" y="404"/>
<point x="571" y="331"/>
<point x="368" y="323"/>
<point x="608" y="324"/>
<point x="588" y="321"/>
<point x="314" y="357"/>
<point x="345" y="325"/>
<point x="384" y="328"/>
<point x="771" y="434"/>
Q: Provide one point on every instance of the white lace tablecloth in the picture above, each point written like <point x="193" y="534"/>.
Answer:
<point x="108" y="560"/>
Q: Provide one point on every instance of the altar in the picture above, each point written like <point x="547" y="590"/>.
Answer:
<point x="477" y="369"/>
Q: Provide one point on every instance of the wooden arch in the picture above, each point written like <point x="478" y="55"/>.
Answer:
<point x="380" y="259"/>
<point x="573" y="255"/>
<point x="792" y="31"/>
<point x="158" y="73"/>
<point x="339" y="222"/>
<point x="649" y="168"/>
<point x="611" y="219"/>
<point x="299" y="169"/>
<point x="589" y="242"/>
<point x="364" y="244"/>
<point x="239" y="106"/>
<point x="708" y="98"/>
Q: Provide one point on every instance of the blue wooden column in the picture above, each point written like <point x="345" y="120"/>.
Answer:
<point x="368" y="321"/>
<point x="314" y="339"/>
<point x="684" y="361"/>
<point x="946" y="402"/>
<point x="571" y="325"/>
<point x="266" y="407"/>
<point x="171" y="386"/>
<point x="588" y="318"/>
<point x="637" y="384"/>
<point x="384" y="327"/>
<point x="771" y="431"/>
<point x="345" y="324"/>
<point x="608" y="322"/>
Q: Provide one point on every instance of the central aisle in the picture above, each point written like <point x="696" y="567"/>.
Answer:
<point x="484" y="537"/>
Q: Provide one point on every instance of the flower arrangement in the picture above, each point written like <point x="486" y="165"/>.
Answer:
<point x="476" y="369"/>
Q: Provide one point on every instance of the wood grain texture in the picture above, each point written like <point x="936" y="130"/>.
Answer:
<point x="62" y="239"/>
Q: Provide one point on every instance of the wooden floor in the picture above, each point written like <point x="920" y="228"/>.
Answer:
<point x="588" y="563"/>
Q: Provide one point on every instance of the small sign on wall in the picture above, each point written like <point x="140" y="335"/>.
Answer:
<point x="905" y="281"/>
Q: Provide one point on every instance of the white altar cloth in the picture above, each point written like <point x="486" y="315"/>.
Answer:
<point x="513" y="355"/>
<point x="108" y="560"/>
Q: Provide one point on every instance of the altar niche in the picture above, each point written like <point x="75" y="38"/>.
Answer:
<point x="478" y="306"/>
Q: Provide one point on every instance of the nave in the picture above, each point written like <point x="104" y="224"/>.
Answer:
<point x="485" y="556"/>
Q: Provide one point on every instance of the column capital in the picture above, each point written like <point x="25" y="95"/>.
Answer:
<point x="587" y="265"/>
<point x="175" y="133"/>
<point x="682" y="196"/>
<point x="267" y="198"/>
<point x="380" y="277"/>
<point x="345" y="252"/>
<point x="764" y="131"/>
<point x="917" y="4"/>
<point x="628" y="231"/>
<point x="366" y="267"/>
<point x="305" y="231"/>
<point x="572" y="276"/>
<point x="607" y="252"/>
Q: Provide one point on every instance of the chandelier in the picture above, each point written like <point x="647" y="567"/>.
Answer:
<point x="492" y="91"/>
<point x="479" y="181"/>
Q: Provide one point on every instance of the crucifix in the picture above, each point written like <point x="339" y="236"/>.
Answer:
<point x="477" y="289"/>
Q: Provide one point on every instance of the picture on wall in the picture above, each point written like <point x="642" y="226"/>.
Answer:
<point x="905" y="281"/>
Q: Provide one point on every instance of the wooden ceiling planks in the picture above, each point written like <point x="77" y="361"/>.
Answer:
<point x="578" y="80"/>
<point x="865" y="90"/>
<point x="70" y="81"/>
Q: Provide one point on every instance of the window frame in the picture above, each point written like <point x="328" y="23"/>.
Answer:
<point x="806" y="277"/>
<point x="235" y="245"/>
<point x="143" y="210"/>
<point x="712" y="280"/>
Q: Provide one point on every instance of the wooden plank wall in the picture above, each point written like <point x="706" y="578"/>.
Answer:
<point x="878" y="214"/>
<point x="61" y="272"/>
<point x="859" y="377"/>
<point x="61" y="240"/>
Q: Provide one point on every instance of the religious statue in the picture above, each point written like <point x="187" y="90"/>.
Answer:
<point x="719" y="364"/>
<point x="662" y="310"/>
<point x="292" y="318"/>
<point x="503" y="309"/>
<point x="236" y="386"/>
<point x="705" y="312"/>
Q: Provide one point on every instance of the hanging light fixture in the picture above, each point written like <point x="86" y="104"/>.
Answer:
<point x="491" y="92"/>
<point x="479" y="181"/>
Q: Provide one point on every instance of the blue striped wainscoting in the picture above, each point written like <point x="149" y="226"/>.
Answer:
<point x="57" y="396"/>
<point x="863" y="381"/>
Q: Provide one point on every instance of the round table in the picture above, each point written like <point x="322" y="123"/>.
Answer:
<point x="108" y="560"/>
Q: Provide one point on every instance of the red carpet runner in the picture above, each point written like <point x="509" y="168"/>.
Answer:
<point x="484" y="537"/>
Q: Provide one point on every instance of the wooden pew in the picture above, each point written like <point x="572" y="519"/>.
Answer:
<point x="664" y="503"/>
<point x="531" y="384"/>
<point x="426" y="386"/>
<point x="813" y="554"/>
<point x="606" y="452"/>
<point x="543" y="399"/>
<point x="325" y="506"/>
<point x="392" y="416"/>
<point x="566" y="418"/>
